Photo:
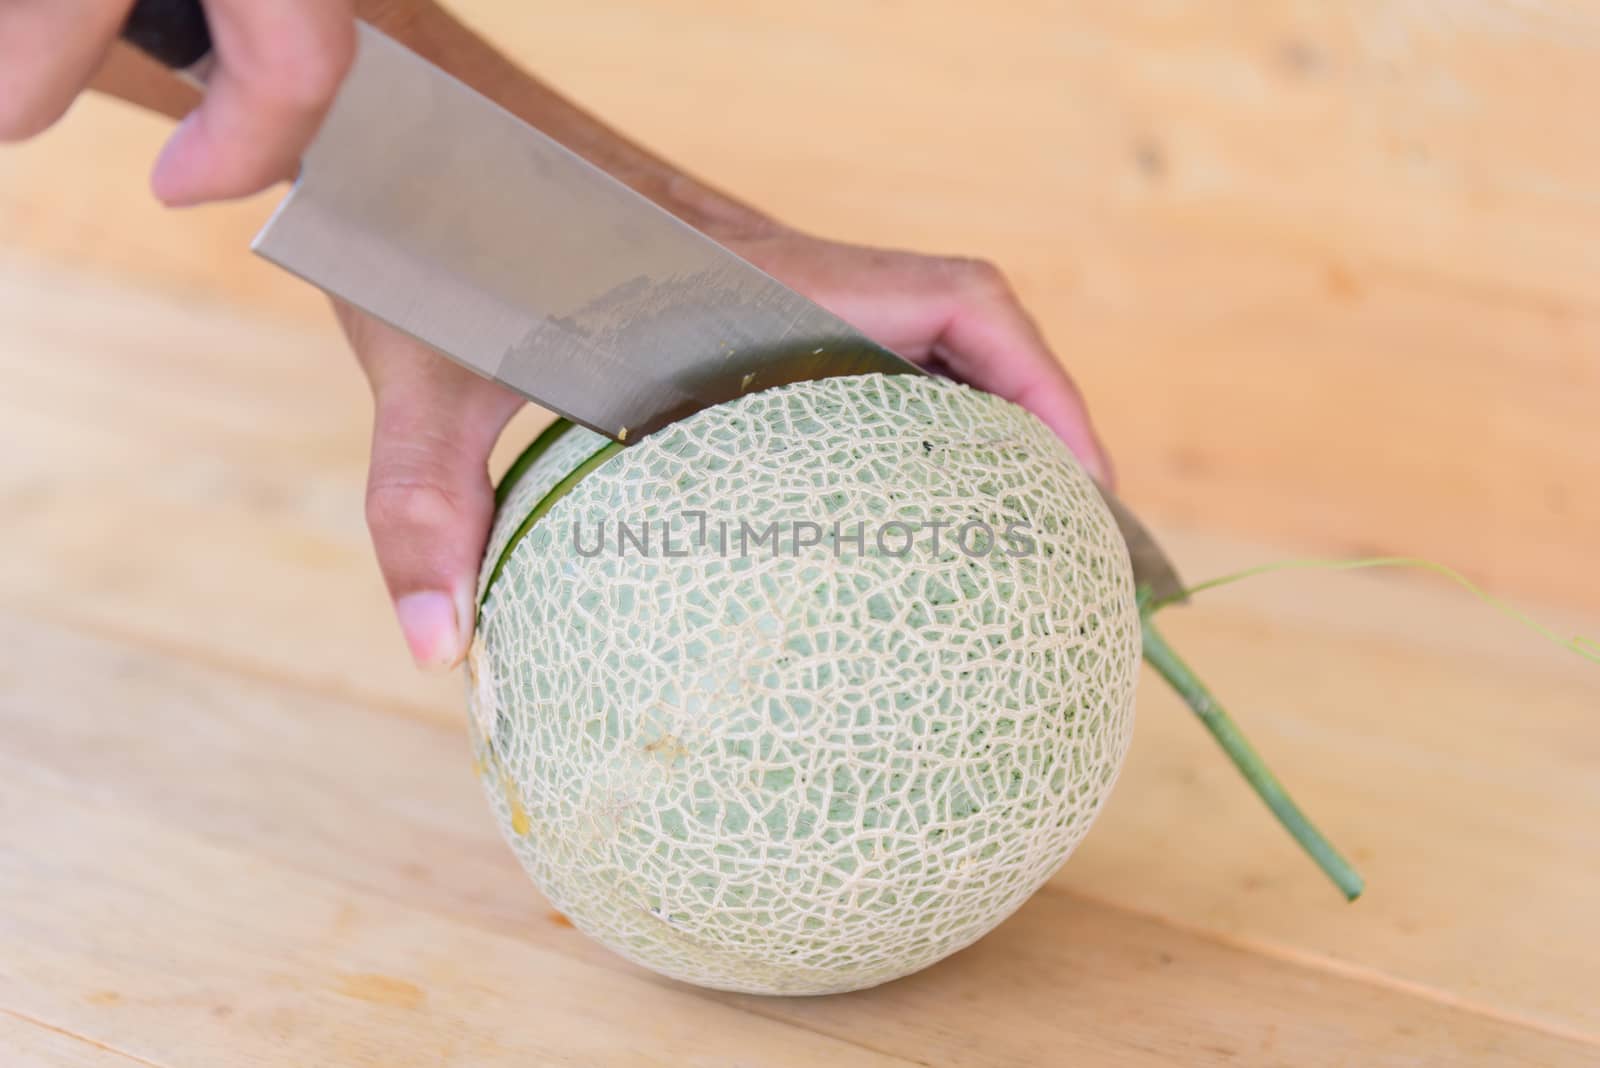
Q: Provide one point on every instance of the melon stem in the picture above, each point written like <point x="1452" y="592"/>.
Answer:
<point x="1171" y="667"/>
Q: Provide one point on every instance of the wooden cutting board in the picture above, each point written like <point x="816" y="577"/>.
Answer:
<point x="235" y="828"/>
<point x="1327" y="272"/>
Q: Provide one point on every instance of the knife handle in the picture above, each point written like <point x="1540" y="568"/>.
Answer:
<point x="172" y="32"/>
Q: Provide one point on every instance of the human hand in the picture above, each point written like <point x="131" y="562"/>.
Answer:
<point x="276" y="69"/>
<point x="429" y="499"/>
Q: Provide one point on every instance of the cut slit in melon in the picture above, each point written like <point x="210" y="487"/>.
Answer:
<point x="529" y="456"/>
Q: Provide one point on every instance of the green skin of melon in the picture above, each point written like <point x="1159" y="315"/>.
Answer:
<point x="809" y="771"/>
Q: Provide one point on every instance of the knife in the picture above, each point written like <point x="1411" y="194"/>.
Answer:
<point x="435" y="210"/>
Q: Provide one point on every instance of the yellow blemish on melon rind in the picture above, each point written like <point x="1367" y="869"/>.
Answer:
<point x="520" y="823"/>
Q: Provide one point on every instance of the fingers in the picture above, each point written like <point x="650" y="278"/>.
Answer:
<point x="48" y="52"/>
<point x="958" y="313"/>
<point x="989" y="341"/>
<point x="277" y="67"/>
<point x="429" y="499"/>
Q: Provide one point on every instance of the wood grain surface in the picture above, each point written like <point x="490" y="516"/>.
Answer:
<point x="1327" y="274"/>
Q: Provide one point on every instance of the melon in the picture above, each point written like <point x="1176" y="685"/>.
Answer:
<point x="808" y="690"/>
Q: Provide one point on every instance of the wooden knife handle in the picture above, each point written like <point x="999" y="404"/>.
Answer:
<point x="172" y="32"/>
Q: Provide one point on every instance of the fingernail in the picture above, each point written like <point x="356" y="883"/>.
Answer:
<point x="431" y="625"/>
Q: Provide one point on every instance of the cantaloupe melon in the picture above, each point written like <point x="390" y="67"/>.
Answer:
<point x="789" y="769"/>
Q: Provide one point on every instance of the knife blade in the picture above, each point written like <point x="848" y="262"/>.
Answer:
<point x="435" y="210"/>
<point x="425" y="204"/>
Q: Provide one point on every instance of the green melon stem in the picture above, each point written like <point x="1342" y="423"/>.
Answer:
<point x="1171" y="667"/>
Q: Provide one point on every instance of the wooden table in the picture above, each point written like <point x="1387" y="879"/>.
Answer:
<point x="236" y="828"/>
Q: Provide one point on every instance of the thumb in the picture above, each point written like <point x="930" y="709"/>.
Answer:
<point x="429" y="500"/>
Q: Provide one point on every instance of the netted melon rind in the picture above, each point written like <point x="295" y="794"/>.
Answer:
<point x="807" y="773"/>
